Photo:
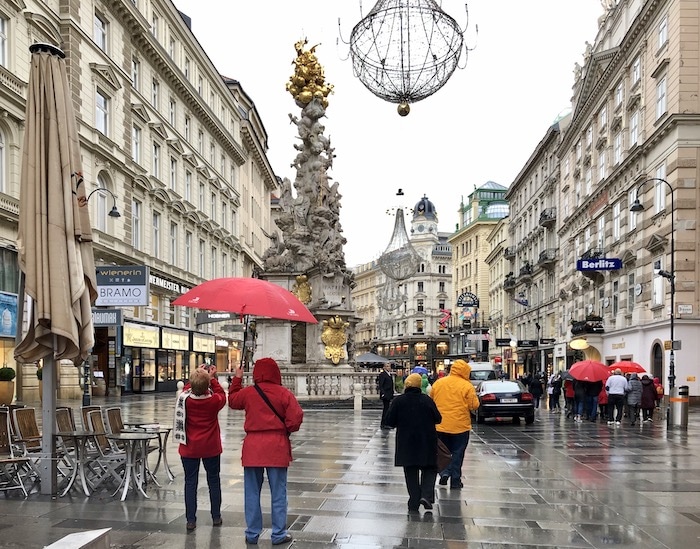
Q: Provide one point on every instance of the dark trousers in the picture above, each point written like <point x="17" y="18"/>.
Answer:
<point x="634" y="413"/>
<point x="420" y="483"/>
<point x="212" y="465"/>
<point x="647" y="413"/>
<point x="615" y="403"/>
<point x="385" y="410"/>
<point x="456" y="444"/>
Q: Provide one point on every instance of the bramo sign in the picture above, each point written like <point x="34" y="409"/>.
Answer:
<point x="127" y="285"/>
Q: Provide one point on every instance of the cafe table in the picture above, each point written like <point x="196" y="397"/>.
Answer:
<point x="80" y="440"/>
<point x="136" y="455"/>
<point x="163" y="435"/>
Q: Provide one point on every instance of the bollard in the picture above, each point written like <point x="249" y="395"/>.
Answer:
<point x="180" y="387"/>
<point x="357" y="391"/>
<point x="679" y="404"/>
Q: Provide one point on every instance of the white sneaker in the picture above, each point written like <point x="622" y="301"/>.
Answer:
<point x="611" y="423"/>
<point x="618" y="423"/>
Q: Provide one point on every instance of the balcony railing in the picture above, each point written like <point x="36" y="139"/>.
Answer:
<point x="593" y="253"/>
<point x="579" y="327"/>
<point x="525" y="273"/>
<point x="509" y="283"/>
<point x="547" y="258"/>
<point x="548" y="217"/>
<point x="509" y="252"/>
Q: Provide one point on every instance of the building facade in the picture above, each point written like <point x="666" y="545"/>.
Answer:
<point x="180" y="152"/>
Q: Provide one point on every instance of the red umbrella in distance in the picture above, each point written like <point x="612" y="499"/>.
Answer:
<point x="589" y="370"/>
<point x="627" y="367"/>
<point x="246" y="296"/>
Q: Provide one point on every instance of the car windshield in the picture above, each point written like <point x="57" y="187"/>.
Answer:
<point x="501" y="387"/>
<point x="481" y="375"/>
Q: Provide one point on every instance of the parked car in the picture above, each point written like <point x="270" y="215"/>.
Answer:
<point x="504" y="398"/>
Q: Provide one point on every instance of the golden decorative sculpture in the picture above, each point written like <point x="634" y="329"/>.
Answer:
<point x="308" y="81"/>
<point x="302" y="289"/>
<point x="334" y="338"/>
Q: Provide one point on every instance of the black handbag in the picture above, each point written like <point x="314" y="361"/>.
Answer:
<point x="444" y="456"/>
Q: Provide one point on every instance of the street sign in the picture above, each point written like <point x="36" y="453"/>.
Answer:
<point x="675" y="345"/>
<point x="527" y="343"/>
<point x="547" y="340"/>
<point x="600" y="264"/>
<point x="502" y="342"/>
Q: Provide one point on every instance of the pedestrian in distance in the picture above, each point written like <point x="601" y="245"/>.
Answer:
<point x="603" y="404"/>
<point x="569" y="397"/>
<point x="414" y="415"/>
<point x="196" y="428"/>
<point x="536" y="389"/>
<point x="617" y="387"/>
<point x="272" y="413"/>
<point x="634" y="398"/>
<point x="649" y="398"/>
<point x="455" y="398"/>
<point x="385" y="385"/>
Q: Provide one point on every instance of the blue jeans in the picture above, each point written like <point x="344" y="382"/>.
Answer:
<point x="212" y="465"/>
<point x="457" y="444"/>
<point x="592" y="406"/>
<point x="252" y="484"/>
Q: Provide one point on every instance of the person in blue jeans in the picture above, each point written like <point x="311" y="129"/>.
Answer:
<point x="455" y="398"/>
<point x="272" y="412"/>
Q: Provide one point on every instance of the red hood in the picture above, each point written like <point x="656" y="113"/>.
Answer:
<point x="266" y="370"/>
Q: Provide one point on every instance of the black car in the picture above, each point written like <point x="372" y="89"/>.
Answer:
<point x="504" y="398"/>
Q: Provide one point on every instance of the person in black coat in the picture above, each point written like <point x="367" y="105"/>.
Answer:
<point x="385" y="385"/>
<point x="415" y="415"/>
<point x="536" y="389"/>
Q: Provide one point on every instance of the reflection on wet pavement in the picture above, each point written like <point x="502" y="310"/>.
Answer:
<point x="554" y="483"/>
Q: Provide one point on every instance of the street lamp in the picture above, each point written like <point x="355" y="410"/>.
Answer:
<point x="114" y="212"/>
<point x="670" y="275"/>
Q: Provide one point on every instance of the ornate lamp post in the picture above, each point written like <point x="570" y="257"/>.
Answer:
<point x="670" y="274"/>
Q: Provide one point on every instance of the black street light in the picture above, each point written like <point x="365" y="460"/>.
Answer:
<point x="670" y="275"/>
<point x="114" y="212"/>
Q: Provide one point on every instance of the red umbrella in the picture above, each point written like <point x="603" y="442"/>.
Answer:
<point x="589" y="370"/>
<point x="247" y="296"/>
<point x="627" y="367"/>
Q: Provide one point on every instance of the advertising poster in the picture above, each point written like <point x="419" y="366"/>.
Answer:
<point x="8" y="314"/>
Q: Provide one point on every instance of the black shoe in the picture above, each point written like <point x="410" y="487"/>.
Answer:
<point x="425" y="503"/>
<point x="218" y="522"/>
<point x="286" y="539"/>
<point x="456" y="485"/>
<point x="251" y="541"/>
<point x="191" y="526"/>
<point x="443" y="481"/>
<point x="413" y="509"/>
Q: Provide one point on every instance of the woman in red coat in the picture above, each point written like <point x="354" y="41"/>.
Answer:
<point x="197" y="431"/>
<point x="271" y="414"/>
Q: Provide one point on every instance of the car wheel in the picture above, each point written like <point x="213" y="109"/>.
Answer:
<point x="529" y="419"/>
<point x="516" y="420"/>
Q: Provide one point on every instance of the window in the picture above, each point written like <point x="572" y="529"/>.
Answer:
<point x="188" y="186"/>
<point x="567" y="166"/>
<point x="155" y="91"/>
<point x="589" y="136"/>
<point x="224" y="265"/>
<point x="601" y="232"/>
<point x="173" y="244"/>
<point x="155" y="167"/>
<point x="101" y="207"/>
<point x="616" y="298"/>
<point x="617" y="148"/>
<point x="172" y="112"/>
<point x="101" y="112"/>
<point x="587" y="239"/>
<point x="663" y="32"/>
<point x="619" y="95"/>
<point x="187" y="68"/>
<point x="136" y="224"/>
<point x="578" y="150"/>
<point x="632" y="215"/>
<point x="188" y="251"/>
<point x="420" y="306"/>
<point x="136" y="144"/>
<point x="661" y="98"/>
<point x="589" y="181"/>
<point x="188" y="128"/>
<point x="630" y="292"/>
<point x="100" y="31"/>
<point x="441" y="287"/>
<point x="634" y="128"/>
<point x="603" y="118"/>
<point x="420" y="286"/>
<point x="617" y="210"/>
<point x="601" y="165"/>
<point x="660" y="189"/>
<point x="171" y="48"/>
<point x="155" y="24"/>
<point x="214" y="253"/>
<point x="200" y="142"/>
<point x="200" y="85"/>
<point x="173" y="173"/>
<point x="419" y="326"/>
<point x="201" y="258"/>
<point x="201" y="197"/>
<point x="224" y="214"/>
<point x="212" y="154"/>
<point x="135" y="73"/>
<point x="212" y="208"/>
<point x="3" y="41"/>
<point x="657" y="285"/>
<point x="636" y="73"/>
<point x="156" y="235"/>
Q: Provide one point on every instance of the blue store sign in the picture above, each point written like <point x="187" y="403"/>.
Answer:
<point x="599" y="264"/>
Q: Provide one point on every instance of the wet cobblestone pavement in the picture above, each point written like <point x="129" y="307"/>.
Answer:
<point x="554" y="483"/>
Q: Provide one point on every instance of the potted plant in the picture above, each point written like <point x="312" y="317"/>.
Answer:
<point x="7" y="384"/>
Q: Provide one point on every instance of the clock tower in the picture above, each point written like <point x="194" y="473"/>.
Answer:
<point x="425" y="221"/>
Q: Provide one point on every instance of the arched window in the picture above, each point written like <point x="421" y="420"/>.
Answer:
<point x="657" y="361"/>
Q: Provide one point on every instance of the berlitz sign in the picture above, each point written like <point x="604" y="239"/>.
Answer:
<point x="599" y="264"/>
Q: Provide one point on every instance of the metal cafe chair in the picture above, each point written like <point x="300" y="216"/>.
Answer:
<point x="28" y="438"/>
<point x="112" y="462"/>
<point x="10" y="465"/>
<point x="84" y="411"/>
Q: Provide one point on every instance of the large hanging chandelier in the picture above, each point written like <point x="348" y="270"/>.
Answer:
<point x="400" y="259"/>
<point x="405" y="50"/>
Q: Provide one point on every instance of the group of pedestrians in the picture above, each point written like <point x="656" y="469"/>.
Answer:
<point x="421" y="420"/>
<point x="272" y="413"/>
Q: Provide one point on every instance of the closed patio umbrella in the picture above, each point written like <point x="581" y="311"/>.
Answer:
<point x="54" y="237"/>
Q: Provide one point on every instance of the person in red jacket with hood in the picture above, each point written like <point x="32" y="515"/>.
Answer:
<point x="272" y="412"/>
<point x="197" y="430"/>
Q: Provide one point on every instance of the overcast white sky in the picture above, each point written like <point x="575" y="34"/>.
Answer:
<point x="482" y="125"/>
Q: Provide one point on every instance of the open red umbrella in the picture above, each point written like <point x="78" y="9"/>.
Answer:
<point x="627" y="367"/>
<point x="589" y="370"/>
<point x="246" y="296"/>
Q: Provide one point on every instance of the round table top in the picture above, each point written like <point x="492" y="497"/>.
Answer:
<point x="136" y="435"/>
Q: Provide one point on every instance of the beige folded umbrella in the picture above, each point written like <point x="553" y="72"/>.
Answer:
<point x="55" y="238"/>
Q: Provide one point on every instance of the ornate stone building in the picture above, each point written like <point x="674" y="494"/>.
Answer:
<point x="179" y="151"/>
